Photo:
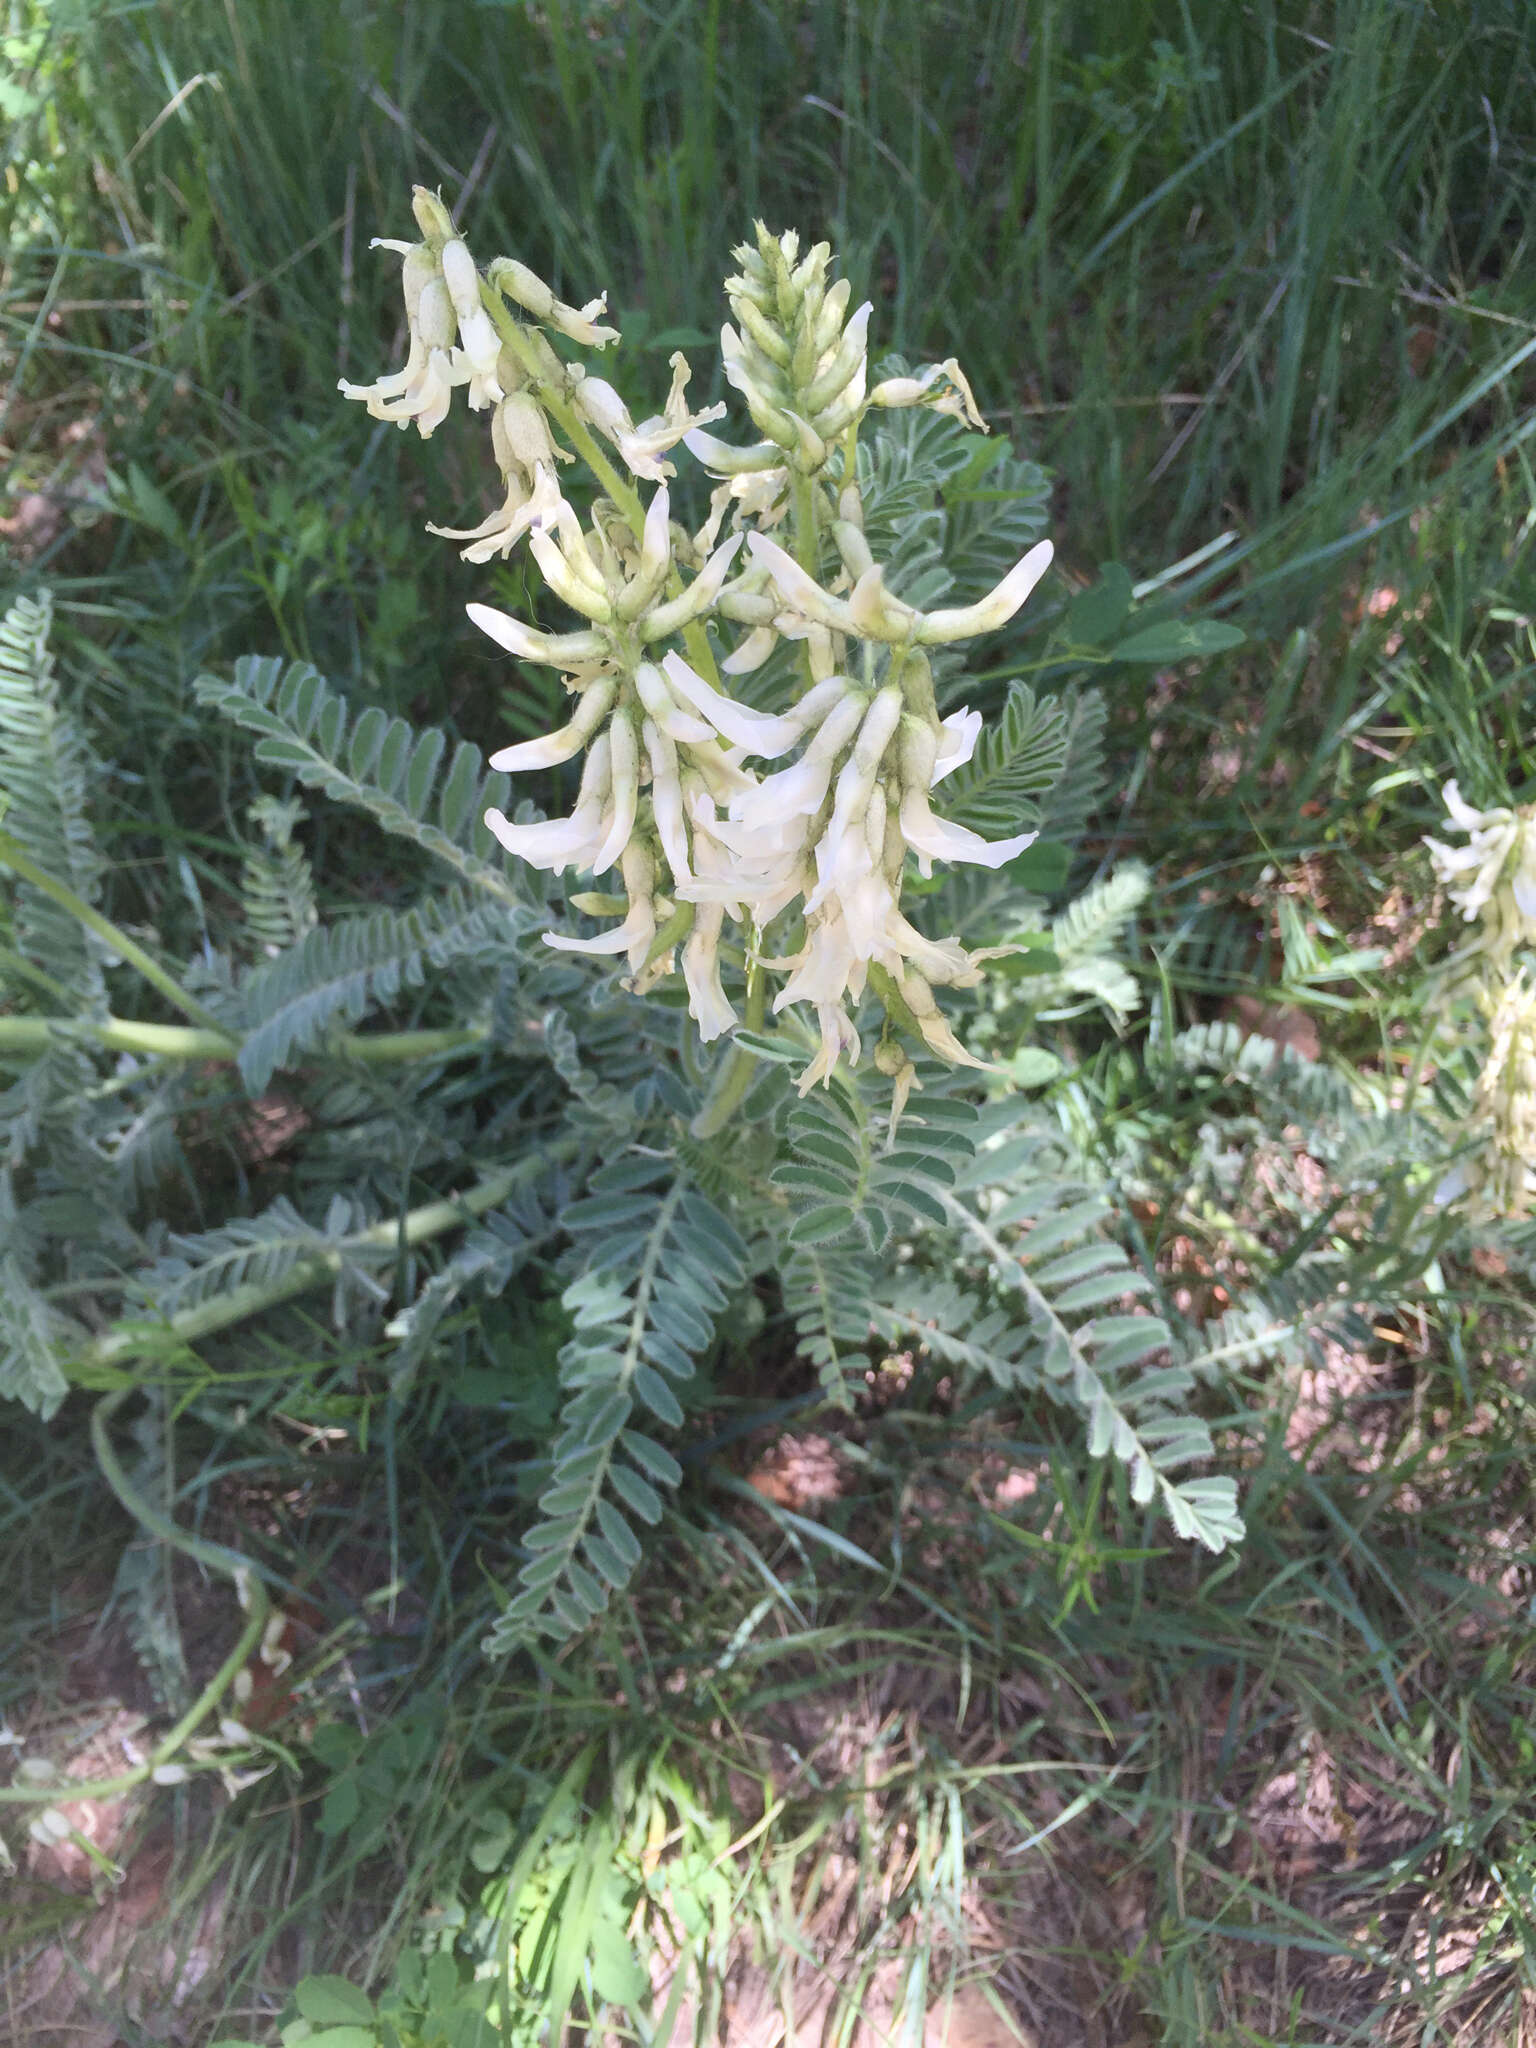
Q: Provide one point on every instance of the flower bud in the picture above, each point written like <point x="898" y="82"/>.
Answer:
<point x="432" y="217"/>
<point x="995" y="609"/>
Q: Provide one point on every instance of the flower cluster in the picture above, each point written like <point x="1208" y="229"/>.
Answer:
<point x="1492" y="882"/>
<point x="801" y="362"/>
<point x="715" y="813"/>
<point x="1498" y="1176"/>
<point x="1492" y="879"/>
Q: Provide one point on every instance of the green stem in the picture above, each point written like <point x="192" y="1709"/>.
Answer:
<point x="803" y="515"/>
<point x="738" y="1069"/>
<point x="15" y="857"/>
<point x="807" y="549"/>
<point x="34" y="1035"/>
<point x="587" y="446"/>
<point x="253" y="1596"/>
<point x="190" y="1325"/>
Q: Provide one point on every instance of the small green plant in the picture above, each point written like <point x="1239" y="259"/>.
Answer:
<point x="677" y="1183"/>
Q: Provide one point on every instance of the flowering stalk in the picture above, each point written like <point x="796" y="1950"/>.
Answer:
<point x="792" y="827"/>
<point x="1492" y="883"/>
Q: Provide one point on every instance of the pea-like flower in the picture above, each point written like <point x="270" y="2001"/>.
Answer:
<point x="870" y="612"/>
<point x="1492" y="879"/>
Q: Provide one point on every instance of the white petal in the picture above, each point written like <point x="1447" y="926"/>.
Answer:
<point x="552" y="843"/>
<point x="707" y="1000"/>
<point x="1461" y="813"/>
<point x="937" y="839"/>
<point x="995" y="609"/>
<point x="625" y="785"/>
<point x="528" y="645"/>
<point x="569" y="740"/>
<point x="961" y="729"/>
<point x="752" y="652"/>
<point x="615" y="940"/>
<point x="757" y="731"/>
<point x="677" y="724"/>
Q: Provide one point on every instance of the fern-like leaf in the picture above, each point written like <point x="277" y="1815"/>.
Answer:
<point x="31" y="1338"/>
<point x="660" y="1267"/>
<point x="339" y="972"/>
<point x="1059" y="1318"/>
<point x="44" y="769"/>
<point x="261" y="1252"/>
<point x="379" y="764"/>
<point x="1083" y="937"/>
<point x="1018" y="757"/>
<point x="276" y="882"/>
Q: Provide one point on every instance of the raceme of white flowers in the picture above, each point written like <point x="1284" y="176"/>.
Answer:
<point x="778" y="839"/>
<point x="1492" y="879"/>
<point x="1492" y="882"/>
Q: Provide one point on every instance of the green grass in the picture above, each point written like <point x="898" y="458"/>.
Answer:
<point x="1261" y="271"/>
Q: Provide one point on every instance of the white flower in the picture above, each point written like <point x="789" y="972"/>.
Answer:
<point x="872" y="613"/>
<point x="520" y="510"/>
<point x="667" y="800"/>
<point x="530" y="291"/>
<point x="423" y="390"/>
<point x="656" y="437"/>
<point x="558" y="650"/>
<point x="576" y="841"/>
<point x="664" y="619"/>
<point x="942" y="387"/>
<point x="1493" y="877"/>
<point x="799" y="792"/>
<point x="759" y="732"/>
<point x="961" y="731"/>
<point x="721" y="459"/>
<point x="839" y="1039"/>
<point x="683" y="727"/>
<point x="597" y="701"/>
<point x="478" y="339"/>
<point x="639" y="447"/>
<point x="932" y="838"/>
<point x="633" y="937"/>
<point x="707" y="1000"/>
<point x="563" y="570"/>
<point x="932" y="1023"/>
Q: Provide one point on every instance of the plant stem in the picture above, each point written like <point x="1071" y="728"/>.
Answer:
<point x="15" y="857"/>
<point x="585" y="442"/>
<point x="189" y="1325"/>
<point x="33" y="1035"/>
<point x="253" y="1597"/>
<point x="803" y="513"/>
<point x="737" y="1069"/>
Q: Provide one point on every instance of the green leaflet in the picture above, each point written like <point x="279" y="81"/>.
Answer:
<point x="669" y="1260"/>
<point x="378" y="764"/>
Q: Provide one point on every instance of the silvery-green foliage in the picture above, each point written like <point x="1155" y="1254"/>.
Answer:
<point x="1053" y="1304"/>
<point x="337" y="973"/>
<point x="45" y="771"/>
<point x="278" y="887"/>
<point x="661" y="1265"/>
<point x="853" y="1224"/>
<point x="1086" y="939"/>
<point x="382" y="765"/>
